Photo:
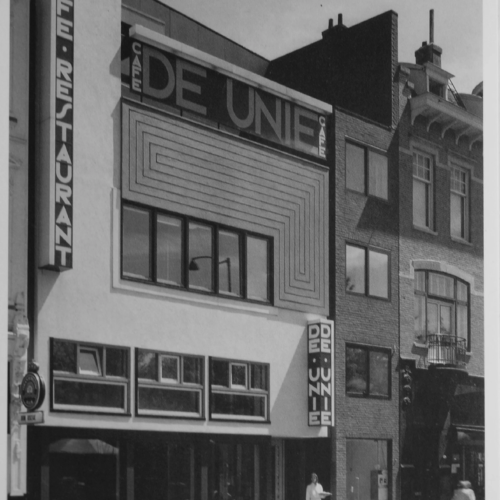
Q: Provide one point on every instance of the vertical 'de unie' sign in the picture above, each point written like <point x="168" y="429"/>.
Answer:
<point x="320" y="382"/>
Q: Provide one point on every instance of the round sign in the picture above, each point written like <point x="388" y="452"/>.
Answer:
<point x="32" y="391"/>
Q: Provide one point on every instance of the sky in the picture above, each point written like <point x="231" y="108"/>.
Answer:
<point x="272" y="28"/>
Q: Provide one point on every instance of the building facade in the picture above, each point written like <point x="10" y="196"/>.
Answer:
<point x="237" y="273"/>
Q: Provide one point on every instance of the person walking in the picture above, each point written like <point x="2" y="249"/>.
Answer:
<point x="314" y="490"/>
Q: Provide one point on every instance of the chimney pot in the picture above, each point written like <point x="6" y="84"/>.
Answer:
<point x="340" y="19"/>
<point x="330" y="24"/>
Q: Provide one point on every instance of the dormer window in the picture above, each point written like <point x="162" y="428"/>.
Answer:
<point x="436" y="88"/>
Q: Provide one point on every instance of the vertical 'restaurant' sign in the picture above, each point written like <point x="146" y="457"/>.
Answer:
<point x="63" y="187"/>
<point x="55" y="156"/>
<point x="320" y="382"/>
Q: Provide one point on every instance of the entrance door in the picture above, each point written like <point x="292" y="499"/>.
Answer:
<point x="234" y="472"/>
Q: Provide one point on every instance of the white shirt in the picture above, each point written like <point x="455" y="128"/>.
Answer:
<point x="313" y="491"/>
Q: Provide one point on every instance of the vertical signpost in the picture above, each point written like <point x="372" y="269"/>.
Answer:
<point x="320" y="381"/>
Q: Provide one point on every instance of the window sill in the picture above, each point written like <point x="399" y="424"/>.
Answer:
<point x="424" y="230"/>
<point x="363" y="396"/>
<point x="356" y="294"/>
<point x="193" y="298"/>
<point x="461" y="241"/>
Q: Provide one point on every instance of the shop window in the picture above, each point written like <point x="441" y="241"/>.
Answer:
<point x="368" y="468"/>
<point x="366" y="171"/>
<point x="169" y="384"/>
<point x="459" y="204"/>
<point x="423" y="191"/>
<point x="175" y="251"/>
<point x="368" y="372"/>
<point x="367" y="271"/>
<point x="89" y="377"/>
<point x="239" y="390"/>
<point x="441" y="307"/>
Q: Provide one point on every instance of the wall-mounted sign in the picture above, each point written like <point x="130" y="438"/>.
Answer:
<point x="57" y="88"/>
<point x="35" y="417"/>
<point x="32" y="391"/>
<point x="171" y="80"/>
<point x="320" y="381"/>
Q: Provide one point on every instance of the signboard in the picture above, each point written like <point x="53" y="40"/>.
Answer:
<point x="173" y="81"/>
<point x="55" y="116"/>
<point x="35" y="417"/>
<point x="63" y="167"/>
<point x="320" y="381"/>
<point x="32" y="391"/>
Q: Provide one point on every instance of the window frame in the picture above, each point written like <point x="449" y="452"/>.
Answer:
<point x="430" y="191"/>
<point x="367" y="250"/>
<point x="216" y="228"/>
<point x="101" y="379"/>
<point x="370" y="348"/>
<point x="454" y="302"/>
<point x="466" y="200"/>
<point x="168" y="385"/>
<point x="232" y="390"/>
<point x="366" y="169"/>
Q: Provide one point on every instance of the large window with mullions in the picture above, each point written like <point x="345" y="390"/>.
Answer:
<point x="177" y="251"/>
<point x="441" y="306"/>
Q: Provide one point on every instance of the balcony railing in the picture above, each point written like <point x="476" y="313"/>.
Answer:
<point x="446" y="350"/>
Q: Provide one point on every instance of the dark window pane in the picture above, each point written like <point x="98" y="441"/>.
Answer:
<point x="116" y="362"/>
<point x="356" y="370"/>
<point x="192" y="370"/>
<point x="90" y="361"/>
<point x="257" y="269"/>
<point x="170" y="368"/>
<point x="355" y="168"/>
<point x="239" y="375"/>
<point x="236" y="404"/>
<point x="258" y="377"/>
<point x="379" y="374"/>
<point x="419" y="317"/>
<point x="220" y="373"/>
<point x="64" y="356"/>
<point x="355" y="269"/>
<point x="147" y="365"/>
<point x="169" y="250"/>
<point x="89" y="394"/>
<point x="162" y="399"/>
<point x="229" y="263"/>
<point x="377" y="175"/>
<point x="136" y="260"/>
<point x="200" y="257"/>
<point x="379" y="274"/>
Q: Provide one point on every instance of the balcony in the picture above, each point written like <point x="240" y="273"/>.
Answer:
<point x="446" y="350"/>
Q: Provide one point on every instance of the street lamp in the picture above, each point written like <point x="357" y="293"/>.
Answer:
<point x="193" y="266"/>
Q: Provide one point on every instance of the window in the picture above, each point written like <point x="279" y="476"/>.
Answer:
<point x="368" y="372"/>
<point x="367" y="271"/>
<point x="239" y="390"/>
<point x="89" y="377"/>
<point x="366" y="171"/>
<point x="169" y="384"/>
<point x="441" y="306"/>
<point x="459" y="203"/>
<point x="176" y="251"/>
<point x="436" y="88"/>
<point x="423" y="203"/>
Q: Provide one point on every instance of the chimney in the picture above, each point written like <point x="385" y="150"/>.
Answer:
<point x="429" y="52"/>
<point x="334" y="29"/>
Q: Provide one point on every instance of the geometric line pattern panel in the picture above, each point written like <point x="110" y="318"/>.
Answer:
<point x="181" y="166"/>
